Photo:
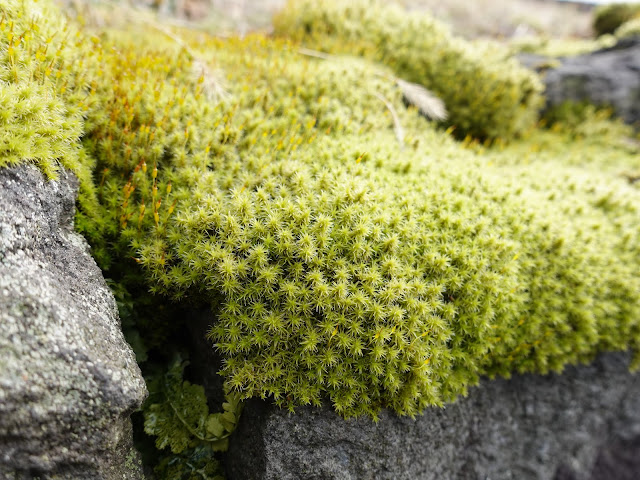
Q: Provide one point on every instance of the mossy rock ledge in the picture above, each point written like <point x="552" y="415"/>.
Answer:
<point x="580" y="425"/>
<point x="353" y="257"/>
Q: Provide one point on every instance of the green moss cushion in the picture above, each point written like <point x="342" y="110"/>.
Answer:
<point x="488" y="94"/>
<point x="607" y="18"/>
<point x="340" y="263"/>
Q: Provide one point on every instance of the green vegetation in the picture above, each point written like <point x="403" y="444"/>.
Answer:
<point x="340" y="263"/>
<point x="607" y="18"/>
<point x="488" y="94"/>
<point x="176" y="413"/>
<point x="36" y="126"/>
<point x="43" y="94"/>
<point x="180" y="417"/>
<point x="560" y="47"/>
<point x="629" y="28"/>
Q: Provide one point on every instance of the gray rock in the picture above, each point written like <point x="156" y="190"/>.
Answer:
<point x="529" y="427"/>
<point x="609" y="77"/>
<point x="539" y="63"/>
<point x="68" y="379"/>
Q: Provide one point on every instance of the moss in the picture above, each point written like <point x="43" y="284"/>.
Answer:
<point x="487" y="93"/>
<point x="342" y="264"/>
<point x="607" y="18"/>
<point x="555" y="47"/>
<point x="629" y="28"/>
<point x="45" y="92"/>
<point x="36" y="125"/>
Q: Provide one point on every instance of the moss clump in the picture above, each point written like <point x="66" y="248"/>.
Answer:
<point x="36" y="125"/>
<point x="341" y="264"/>
<point x="629" y="28"/>
<point x="608" y="18"/>
<point x="280" y="218"/>
<point x="585" y="155"/>
<point x="555" y="47"/>
<point x="487" y="94"/>
<point x="44" y="94"/>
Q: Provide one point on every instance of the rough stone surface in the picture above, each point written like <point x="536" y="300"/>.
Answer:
<point x="609" y="77"/>
<point x="68" y="379"/>
<point x="581" y="425"/>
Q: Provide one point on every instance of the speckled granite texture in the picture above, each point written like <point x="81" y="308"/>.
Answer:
<point x="68" y="379"/>
<point x="581" y="425"/>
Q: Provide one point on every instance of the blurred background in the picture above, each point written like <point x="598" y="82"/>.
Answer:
<point x="480" y="18"/>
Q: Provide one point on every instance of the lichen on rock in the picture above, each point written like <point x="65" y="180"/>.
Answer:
<point x="68" y="380"/>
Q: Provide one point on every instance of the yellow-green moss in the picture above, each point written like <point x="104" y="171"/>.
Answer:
<point x="487" y="94"/>
<point x="559" y="47"/>
<point x="340" y="263"/>
<point x="629" y="28"/>
<point x="36" y="126"/>
<point x="45" y="91"/>
<point x="607" y="18"/>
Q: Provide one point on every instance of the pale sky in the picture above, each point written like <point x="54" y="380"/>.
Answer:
<point x="597" y="1"/>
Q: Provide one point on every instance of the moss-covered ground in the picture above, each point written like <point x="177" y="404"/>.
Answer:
<point x="343" y="262"/>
